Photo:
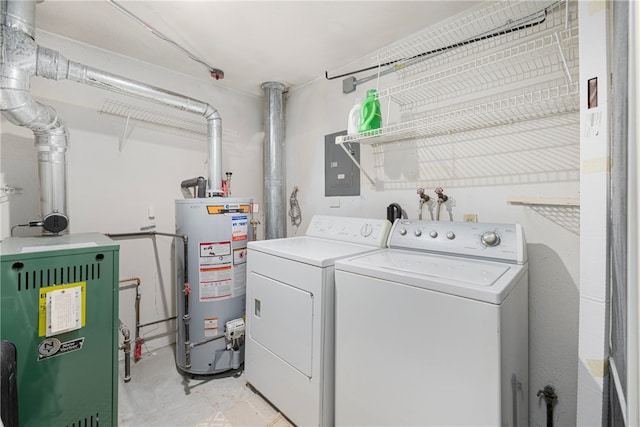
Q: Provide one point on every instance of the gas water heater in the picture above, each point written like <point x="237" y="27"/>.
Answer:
<point x="211" y="295"/>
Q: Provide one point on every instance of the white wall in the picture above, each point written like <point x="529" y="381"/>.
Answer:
<point x="593" y="365"/>
<point x="540" y="162"/>
<point x="110" y="190"/>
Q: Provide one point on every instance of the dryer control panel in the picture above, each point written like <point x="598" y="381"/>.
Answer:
<point x="503" y="242"/>
<point x="366" y="231"/>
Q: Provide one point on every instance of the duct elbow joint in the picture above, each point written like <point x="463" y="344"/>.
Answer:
<point x="211" y="113"/>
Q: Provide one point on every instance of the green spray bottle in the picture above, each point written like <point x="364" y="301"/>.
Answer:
<point x="370" y="113"/>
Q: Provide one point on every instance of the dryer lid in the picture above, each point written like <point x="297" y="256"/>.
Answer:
<point x="309" y="250"/>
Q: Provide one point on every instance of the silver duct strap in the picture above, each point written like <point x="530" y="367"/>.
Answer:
<point x="274" y="184"/>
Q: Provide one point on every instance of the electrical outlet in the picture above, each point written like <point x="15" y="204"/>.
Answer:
<point x="470" y="218"/>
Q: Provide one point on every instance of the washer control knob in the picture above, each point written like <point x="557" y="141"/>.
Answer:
<point x="417" y="232"/>
<point x="433" y="234"/>
<point x="451" y="235"/>
<point x="403" y="231"/>
<point x="490" y="238"/>
<point x="366" y="230"/>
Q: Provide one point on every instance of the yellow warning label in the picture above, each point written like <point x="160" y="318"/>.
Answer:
<point x="42" y="309"/>
<point x="228" y="207"/>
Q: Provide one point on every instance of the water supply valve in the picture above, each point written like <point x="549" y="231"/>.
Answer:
<point x="226" y="185"/>
<point x="441" y="196"/>
<point x="254" y="223"/>
<point x="423" y="197"/>
<point x="234" y="333"/>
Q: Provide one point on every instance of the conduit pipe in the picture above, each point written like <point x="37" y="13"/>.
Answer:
<point x="126" y="347"/>
<point x="274" y="185"/>
<point x="198" y="184"/>
<point x="21" y="58"/>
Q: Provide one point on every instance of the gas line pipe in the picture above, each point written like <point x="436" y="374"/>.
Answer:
<point x="187" y="288"/>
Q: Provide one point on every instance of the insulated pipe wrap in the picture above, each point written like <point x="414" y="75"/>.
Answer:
<point x="274" y="185"/>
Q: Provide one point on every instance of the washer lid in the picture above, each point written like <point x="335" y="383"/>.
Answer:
<point x="310" y="250"/>
<point x="476" y="279"/>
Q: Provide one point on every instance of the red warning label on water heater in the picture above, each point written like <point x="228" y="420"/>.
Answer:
<point x="215" y="271"/>
<point x="215" y="249"/>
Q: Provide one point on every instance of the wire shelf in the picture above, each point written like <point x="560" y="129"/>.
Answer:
<point x="499" y="64"/>
<point x="564" y="212"/>
<point x="464" y="33"/>
<point x="527" y="152"/>
<point x="541" y="57"/>
<point x="514" y="107"/>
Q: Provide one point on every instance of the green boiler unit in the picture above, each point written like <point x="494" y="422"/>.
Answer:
<point x="59" y="307"/>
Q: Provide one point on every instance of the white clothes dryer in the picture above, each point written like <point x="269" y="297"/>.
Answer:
<point x="290" y="313"/>
<point x="433" y="331"/>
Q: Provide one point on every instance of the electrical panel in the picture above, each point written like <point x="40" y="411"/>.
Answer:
<point x="341" y="175"/>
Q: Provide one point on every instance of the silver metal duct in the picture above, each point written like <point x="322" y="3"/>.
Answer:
<point x="17" y="65"/>
<point x="274" y="185"/>
<point x="22" y="58"/>
<point x="53" y="65"/>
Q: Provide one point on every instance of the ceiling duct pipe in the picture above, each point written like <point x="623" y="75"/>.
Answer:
<point x="22" y="58"/>
<point x="53" y="65"/>
<point x="274" y="184"/>
<point x="17" y="65"/>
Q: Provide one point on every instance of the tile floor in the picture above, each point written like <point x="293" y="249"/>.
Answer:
<point x="158" y="395"/>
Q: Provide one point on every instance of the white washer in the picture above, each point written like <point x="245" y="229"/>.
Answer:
<point x="434" y="330"/>
<point x="290" y="313"/>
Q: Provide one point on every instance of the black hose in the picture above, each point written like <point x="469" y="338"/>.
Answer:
<point x="550" y="397"/>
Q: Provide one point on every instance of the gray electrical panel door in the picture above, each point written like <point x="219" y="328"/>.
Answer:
<point x="341" y="175"/>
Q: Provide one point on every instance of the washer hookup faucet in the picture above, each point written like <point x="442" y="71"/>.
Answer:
<point x="441" y="199"/>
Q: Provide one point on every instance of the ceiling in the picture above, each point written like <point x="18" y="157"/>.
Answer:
<point x="293" y="42"/>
